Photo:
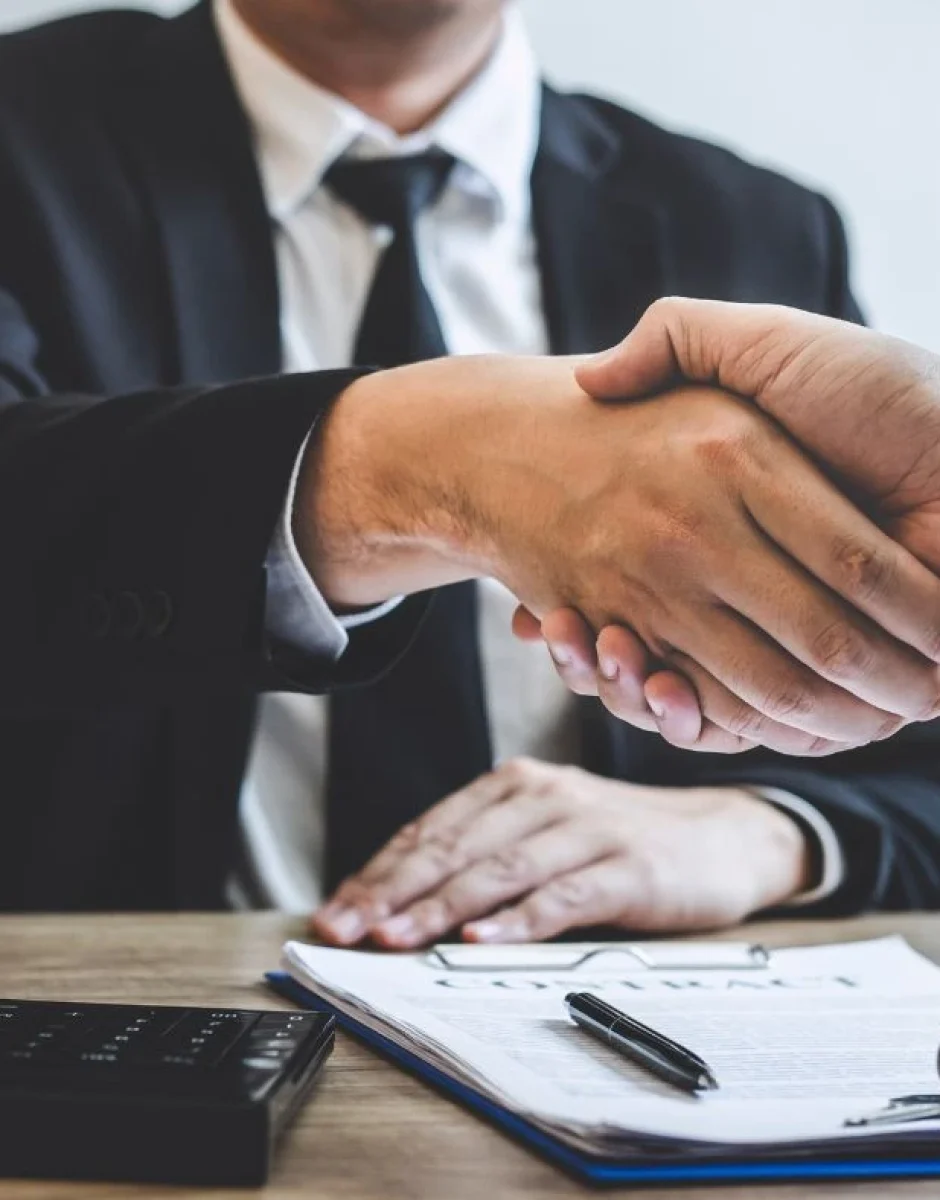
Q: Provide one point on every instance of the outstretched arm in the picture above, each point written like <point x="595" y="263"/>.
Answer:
<point x="423" y="476"/>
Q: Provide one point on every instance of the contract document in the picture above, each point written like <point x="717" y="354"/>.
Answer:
<point x="812" y="1039"/>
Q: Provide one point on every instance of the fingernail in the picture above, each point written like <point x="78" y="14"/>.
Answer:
<point x="657" y="709"/>
<point x="483" y="931"/>
<point x="608" y="667"/>
<point x="346" y="924"/>
<point x="560" y="655"/>
<point x="397" y="929"/>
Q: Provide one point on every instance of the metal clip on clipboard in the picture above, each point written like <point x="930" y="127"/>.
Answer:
<point x="635" y="956"/>
<point x="902" y="1110"/>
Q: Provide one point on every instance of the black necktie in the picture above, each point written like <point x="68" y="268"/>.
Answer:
<point x="403" y="743"/>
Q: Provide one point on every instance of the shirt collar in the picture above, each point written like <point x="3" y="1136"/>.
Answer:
<point x="490" y="127"/>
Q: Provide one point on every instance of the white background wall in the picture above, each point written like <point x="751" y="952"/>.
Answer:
<point x="843" y="94"/>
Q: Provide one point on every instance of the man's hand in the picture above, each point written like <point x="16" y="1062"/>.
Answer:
<point x="531" y="850"/>
<point x="866" y="405"/>
<point x="690" y="518"/>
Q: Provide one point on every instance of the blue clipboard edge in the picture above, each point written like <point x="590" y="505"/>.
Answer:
<point x="592" y="1170"/>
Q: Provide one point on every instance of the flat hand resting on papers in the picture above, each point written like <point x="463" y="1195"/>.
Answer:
<point x="531" y="850"/>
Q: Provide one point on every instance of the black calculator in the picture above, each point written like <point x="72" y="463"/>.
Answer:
<point x="130" y="1092"/>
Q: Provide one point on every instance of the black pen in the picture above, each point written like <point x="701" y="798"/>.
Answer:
<point x="660" y="1055"/>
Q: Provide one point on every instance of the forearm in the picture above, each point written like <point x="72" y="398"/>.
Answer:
<point x="442" y="471"/>
<point x="375" y="514"/>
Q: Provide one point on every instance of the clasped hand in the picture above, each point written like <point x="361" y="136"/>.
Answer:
<point x="738" y="563"/>
<point x="690" y="519"/>
<point x="867" y="406"/>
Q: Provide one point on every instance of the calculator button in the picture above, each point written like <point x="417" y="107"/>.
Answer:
<point x="100" y="1057"/>
<point x="283" y="1021"/>
<point x="283" y="1050"/>
<point x="261" y="1064"/>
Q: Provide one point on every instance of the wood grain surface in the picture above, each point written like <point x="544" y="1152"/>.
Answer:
<point x="371" y="1132"/>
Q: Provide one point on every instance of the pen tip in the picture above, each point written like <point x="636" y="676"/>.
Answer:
<point x="707" y="1082"/>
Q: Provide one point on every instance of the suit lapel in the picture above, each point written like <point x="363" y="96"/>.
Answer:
<point x="183" y="128"/>
<point x="601" y="244"/>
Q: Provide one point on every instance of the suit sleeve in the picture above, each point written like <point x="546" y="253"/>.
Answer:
<point x="882" y="802"/>
<point x="134" y="532"/>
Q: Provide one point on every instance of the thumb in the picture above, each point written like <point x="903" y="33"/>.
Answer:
<point x="742" y="347"/>
<point x="645" y="361"/>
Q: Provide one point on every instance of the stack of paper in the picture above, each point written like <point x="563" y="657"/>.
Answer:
<point x="818" y="1036"/>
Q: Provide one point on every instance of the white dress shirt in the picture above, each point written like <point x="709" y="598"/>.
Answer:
<point x="478" y="260"/>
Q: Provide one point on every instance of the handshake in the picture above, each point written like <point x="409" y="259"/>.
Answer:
<point x="727" y="527"/>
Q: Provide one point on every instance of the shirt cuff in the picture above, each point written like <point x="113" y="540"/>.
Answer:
<point x="296" y="612"/>
<point x="811" y="820"/>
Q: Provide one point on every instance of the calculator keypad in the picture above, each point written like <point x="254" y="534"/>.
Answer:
<point x="131" y="1037"/>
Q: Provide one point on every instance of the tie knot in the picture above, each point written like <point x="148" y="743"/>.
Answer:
<point x="390" y="191"/>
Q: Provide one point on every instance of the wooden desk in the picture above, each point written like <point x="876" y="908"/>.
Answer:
<point x="372" y="1133"/>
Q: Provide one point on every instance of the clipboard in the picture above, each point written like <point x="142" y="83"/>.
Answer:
<point x="610" y="1172"/>
<point x="573" y="956"/>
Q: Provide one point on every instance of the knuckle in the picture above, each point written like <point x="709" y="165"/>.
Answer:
<point x="721" y="452"/>
<point x="789" y="700"/>
<point x="816" y="747"/>
<point x="443" y="851"/>
<point x="838" y="652"/>
<point x="355" y="892"/>
<point x="510" y="865"/>
<point x="931" y="641"/>
<point x="718" y="740"/>
<point x="742" y="720"/>
<point x="672" y="313"/>
<point x="864" y="572"/>
<point x="407" y="838"/>
<point x="664" y="308"/>
<point x="729" y="439"/>
<point x="889" y="727"/>
<point x="678" y="534"/>
<point x="571" y="798"/>
<point x="676" y="529"/>
<point x="521" y="770"/>
<point x="569" y="892"/>
<point x="564" y="781"/>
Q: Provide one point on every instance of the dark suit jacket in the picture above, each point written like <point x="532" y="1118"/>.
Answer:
<point x="136" y="257"/>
